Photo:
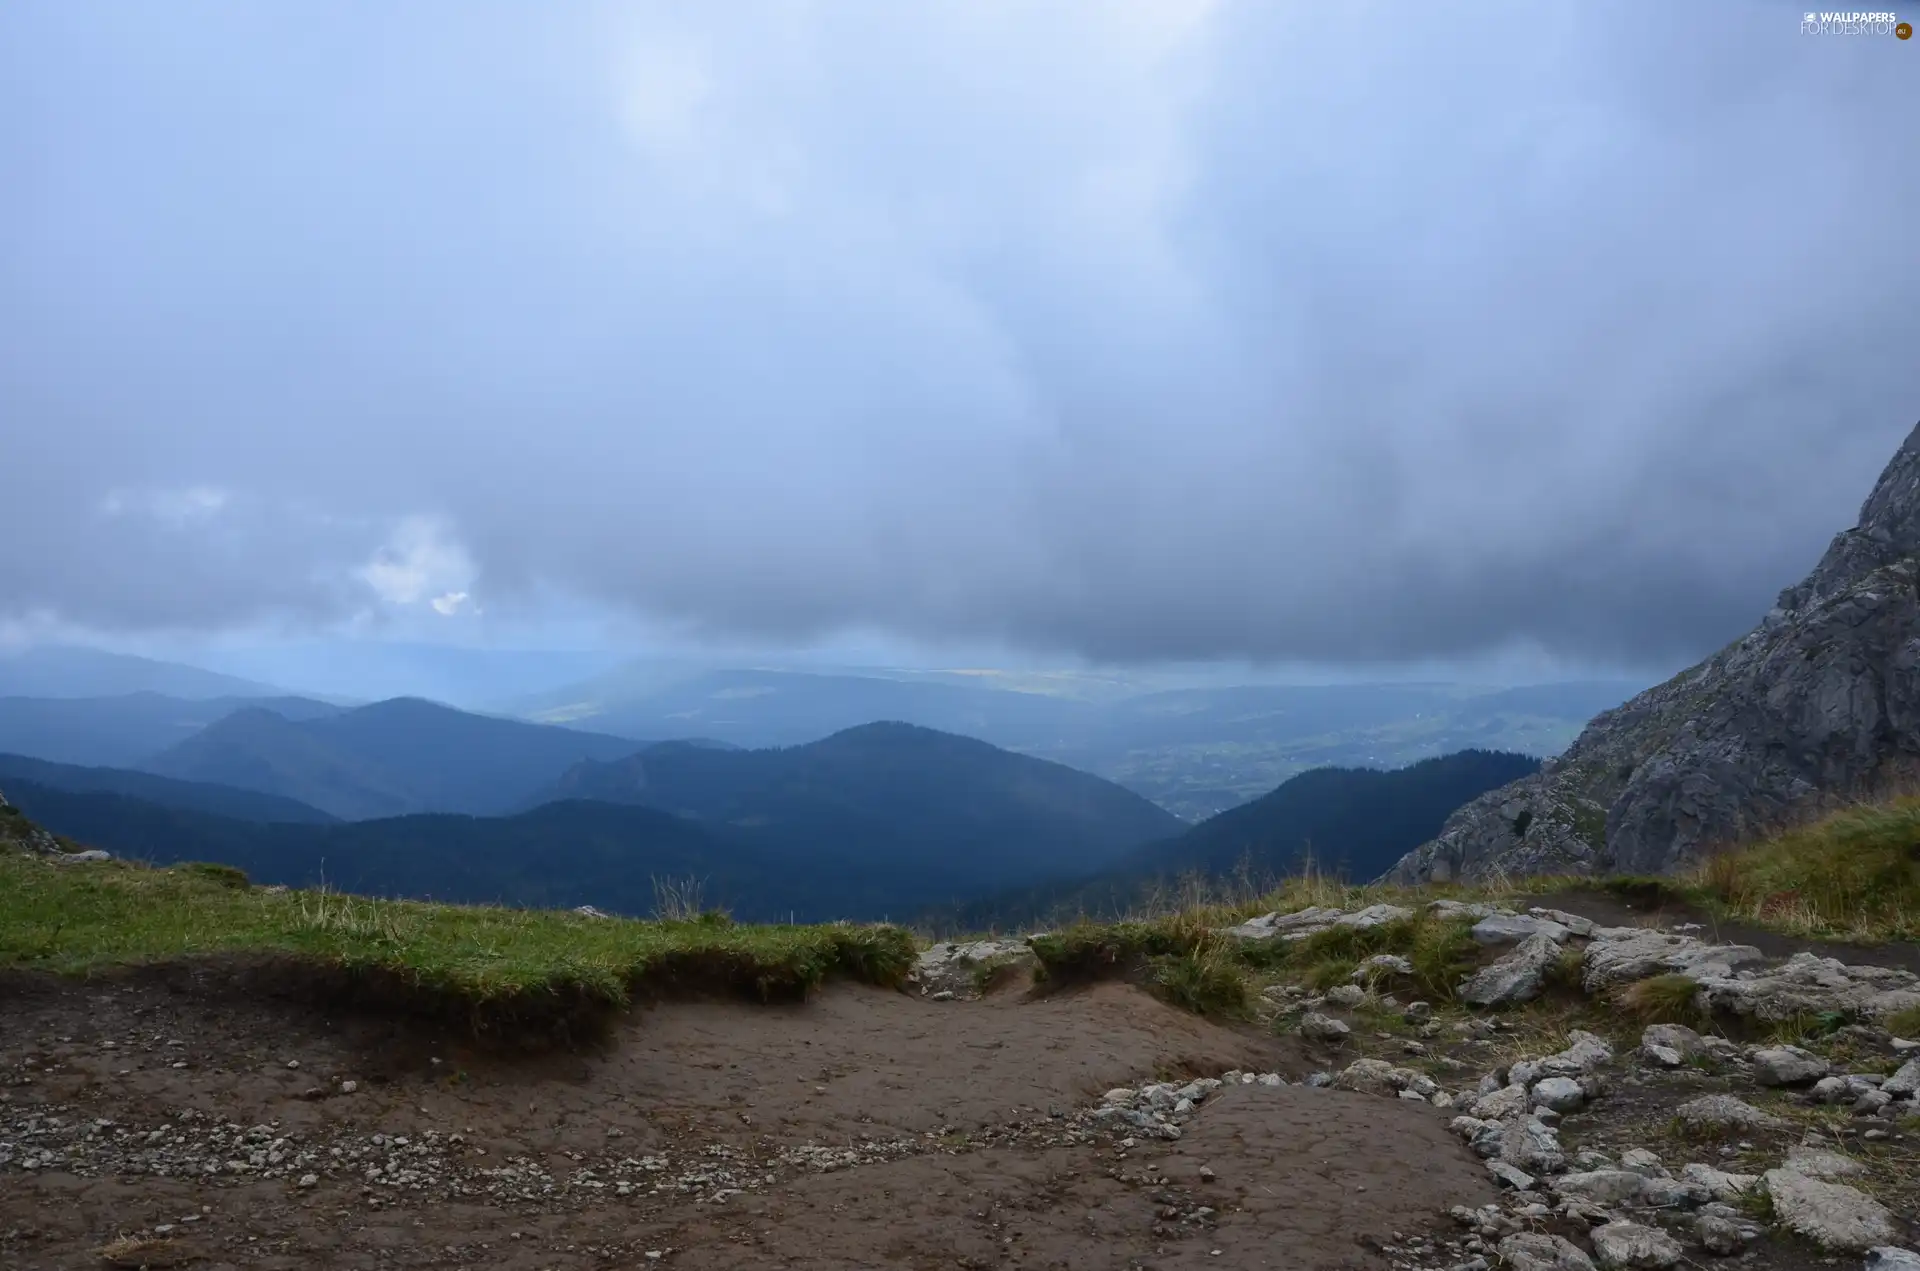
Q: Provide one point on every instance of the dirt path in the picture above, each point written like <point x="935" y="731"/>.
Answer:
<point x="863" y="1129"/>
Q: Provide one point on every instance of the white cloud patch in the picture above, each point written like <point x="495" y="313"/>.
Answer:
<point x="421" y="561"/>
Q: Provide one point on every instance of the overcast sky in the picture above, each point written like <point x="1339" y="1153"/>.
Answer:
<point x="1336" y="333"/>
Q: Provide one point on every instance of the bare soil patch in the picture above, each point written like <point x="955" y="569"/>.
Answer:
<point x="865" y="1128"/>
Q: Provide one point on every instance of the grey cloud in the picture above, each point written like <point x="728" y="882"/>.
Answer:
<point x="1174" y="331"/>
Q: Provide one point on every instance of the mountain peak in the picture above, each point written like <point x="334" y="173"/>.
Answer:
<point x="1818" y="703"/>
<point x="1888" y="531"/>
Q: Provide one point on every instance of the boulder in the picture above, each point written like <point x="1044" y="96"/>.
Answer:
<point x="1722" y="1236"/>
<point x="1533" y="1146"/>
<point x="1323" y="1028"/>
<point x="1724" y="1112"/>
<point x="1373" y="916"/>
<point x="1602" y="1187"/>
<point x="1286" y="926"/>
<point x="1890" y="1258"/>
<point x="1809" y="985"/>
<point x="1513" y="928"/>
<point x="1787" y="1066"/>
<point x="1347" y="995"/>
<point x="1818" y="1162"/>
<point x="1832" y="1215"/>
<point x="1505" y="1102"/>
<point x="1621" y="955"/>
<point x="1642" y="1162"/>
<point x="1514" y="978"/>
<point x="957" y="968"/>
<point x="1537" y="1251"/>
<point x="1631" y="1244"/>
<point x="1718" y="1184"/>
<point x="1584" y="1053"/>
<point x="1381" y="966"/>
<point x="1904" y="1083"/>
<point x="1375" y="1076"/>
<point x="1562" y="1094"/>
<point x="1509" y="1176"/>
<point x="1677" y="1038"/>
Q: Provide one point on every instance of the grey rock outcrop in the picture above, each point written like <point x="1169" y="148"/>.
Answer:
<point x="1832" y="1215"/>
<point x="1820" y="701"/>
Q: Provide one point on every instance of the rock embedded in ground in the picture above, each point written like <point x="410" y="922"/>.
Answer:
<point x="1818" y="1162"/>
<point x="1287" y="926"/>
<point x="1347" y="995"/>
<point x="1511" y="1176"/>
<point x="1602" y="1187"/>
<point x="1718" y="1184"/>
<point x="1806" y="984"/>
<point x="1832" y="1215"/>
<point x="1642" y="1162"/>
<point x="1678" y="1038"/>
<point x="1621" y="1244"/>
<point x="1562" y="1094"/>
<point x="1381" y="966"/>
<point x="1905" y="1082"/>
<point x="1724" y="1112"/>
<point x="1537" y="1251"/>
<point x="1502" y="1103"/>
<point x="1619" y="956"/>
<point x="1323" y="1028"/>
<point x="1533" y="1146"/>
<point x="1892" y="1258"/>
<point x="956" y="969"/>
<point x="1498" y="929"/>
<point x="1515" y="977"/>
<point x="1787" y="1066"/>
<point x="1717" y="1235"/>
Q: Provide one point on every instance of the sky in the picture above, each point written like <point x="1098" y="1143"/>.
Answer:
<point x="1176" y="331"/>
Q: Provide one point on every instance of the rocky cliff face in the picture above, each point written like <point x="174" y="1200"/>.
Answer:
<point x="1820" y="701"/>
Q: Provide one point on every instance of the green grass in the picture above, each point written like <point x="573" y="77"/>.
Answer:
<point x="1661" y="999"/>
<point x="1853" y="875"/>
<point x="499" y="970"/>
<point x="1441" y="952"/>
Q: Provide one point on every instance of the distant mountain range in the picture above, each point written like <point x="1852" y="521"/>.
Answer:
<point x="166" y="792"/>
<point x="877" y="821"/>
<point x="1195" y="751"/>
<point x="388" y="759"/>
<point x="125" y="730"/>
<point x="1347" y="822"/>
<point x="71" y="671"/>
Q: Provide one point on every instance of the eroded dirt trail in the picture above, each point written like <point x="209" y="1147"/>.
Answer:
<point x="863" y="1129"/>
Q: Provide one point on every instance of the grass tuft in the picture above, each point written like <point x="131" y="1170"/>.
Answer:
<point x="1207" y="981"/>
<point x="1661" y="999"/>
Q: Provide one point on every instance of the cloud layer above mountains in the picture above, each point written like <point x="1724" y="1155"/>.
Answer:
<point x="1171" y="329"/>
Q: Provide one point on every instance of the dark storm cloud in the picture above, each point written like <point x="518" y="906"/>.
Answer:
<point x="1176" y="329"/>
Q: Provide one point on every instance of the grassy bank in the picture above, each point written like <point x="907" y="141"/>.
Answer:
<point x="495" y="969"/>
<point x="1853" y="875"/>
